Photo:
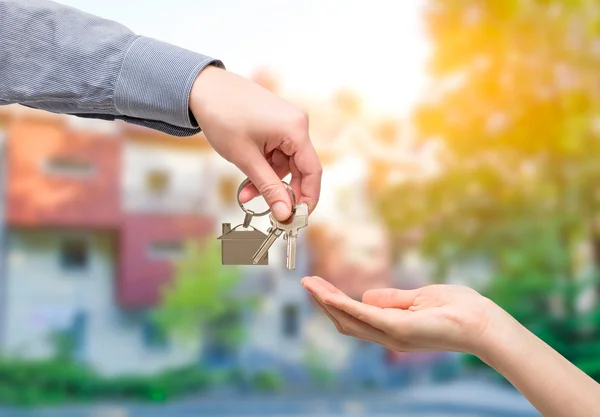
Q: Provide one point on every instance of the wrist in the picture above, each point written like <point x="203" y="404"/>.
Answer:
<point x="500" y="334"/>
<point x="203" y="89"/>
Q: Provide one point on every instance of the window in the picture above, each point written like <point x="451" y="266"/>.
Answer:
<point x="228" y="190"/>
<point x="291" y="320"/>
<point x="166" y="250"/>
<point x="153" y="335"/>
<point x="74" y="254"/>
<point x="157" y="181"/>
<point x="69" y="167"/>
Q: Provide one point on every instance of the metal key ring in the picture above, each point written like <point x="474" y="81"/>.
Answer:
<point x="267" y="211"/>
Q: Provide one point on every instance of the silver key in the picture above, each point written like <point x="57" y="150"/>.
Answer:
<point x="290" y="227"/>
<point x="262" y="251"/>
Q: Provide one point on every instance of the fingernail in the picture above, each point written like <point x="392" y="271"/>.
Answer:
<point x="280" y="210"/>
<point x="327" y="301"/>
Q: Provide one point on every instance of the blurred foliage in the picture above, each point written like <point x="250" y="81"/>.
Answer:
<point x="516" y="108"/>
<point x="54" y="381"/>
<point x="202" y="302"/>
<point x="318" y="368"/>
<point x="267" y="381"/>
<point x="64" y="343"/>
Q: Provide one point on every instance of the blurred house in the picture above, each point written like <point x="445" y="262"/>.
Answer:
<point x="92" y="221"/>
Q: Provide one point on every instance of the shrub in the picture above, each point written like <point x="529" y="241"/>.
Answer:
<point x="53" y="381"/>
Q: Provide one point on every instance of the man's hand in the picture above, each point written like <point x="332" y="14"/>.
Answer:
<point x="264" y="136"/>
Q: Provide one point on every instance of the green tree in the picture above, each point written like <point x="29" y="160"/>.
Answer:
<point x="515" y="107"/>
<point x="201" y="303"/>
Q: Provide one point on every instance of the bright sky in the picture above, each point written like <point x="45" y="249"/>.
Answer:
<point x="376" y="47"/>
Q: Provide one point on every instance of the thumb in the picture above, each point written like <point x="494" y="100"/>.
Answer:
<point x="269" y="185"/>
<point x="390" y="298"/>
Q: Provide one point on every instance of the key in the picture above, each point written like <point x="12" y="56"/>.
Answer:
<point x="262" y="251"/>
<point x="299" y="220"/>
<point x="289" y="228"/>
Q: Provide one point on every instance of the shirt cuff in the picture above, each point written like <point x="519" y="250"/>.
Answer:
<point x="155" y="82"/>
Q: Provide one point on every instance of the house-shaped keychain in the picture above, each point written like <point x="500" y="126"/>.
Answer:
<point x="239" y="246"/>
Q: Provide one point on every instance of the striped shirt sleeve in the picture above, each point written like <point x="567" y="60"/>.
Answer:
<point x="59" y="59"/>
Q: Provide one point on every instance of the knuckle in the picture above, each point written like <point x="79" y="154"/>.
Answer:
<point x="296" y="130"/>
<point x="298" y="120"/>
<point x="344" y="330"/>
<point x="391" y="293"/>
<point x="301" y="118"/>
<point x="269" y="191"/>
<point x="319" y="170"/>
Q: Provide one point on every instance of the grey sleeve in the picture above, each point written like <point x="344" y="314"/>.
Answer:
<point x="59" y="59"/>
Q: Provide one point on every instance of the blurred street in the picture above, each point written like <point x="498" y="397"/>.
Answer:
<point x="470" y="398"/>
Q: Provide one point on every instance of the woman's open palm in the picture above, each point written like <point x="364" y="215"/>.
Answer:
<point x="435" y="317"/>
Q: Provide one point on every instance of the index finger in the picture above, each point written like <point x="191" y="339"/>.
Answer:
<point x="308" y="164"/>
<point x="326" y="293"/>
<point x="374" y="316"/>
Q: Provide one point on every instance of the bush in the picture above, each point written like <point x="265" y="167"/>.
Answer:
<point x="53" y="381"/>
<point x="267" y="381"/>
